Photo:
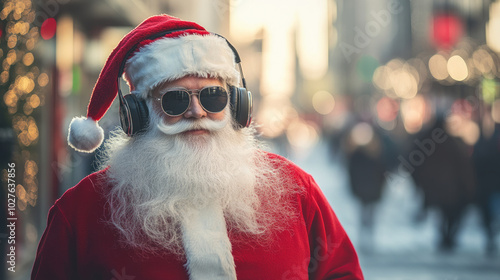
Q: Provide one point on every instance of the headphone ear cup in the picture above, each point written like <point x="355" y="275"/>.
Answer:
<point x="134" y="114"/>
<point x="143" y="114"/>
<point x="241" y="106"/>
<point x="125" y="117"/>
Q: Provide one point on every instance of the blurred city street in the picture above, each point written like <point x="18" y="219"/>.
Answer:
<point x="402" y="249"/>
<point x="393" y="106"/>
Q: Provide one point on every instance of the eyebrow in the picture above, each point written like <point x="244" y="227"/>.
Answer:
<point x="174" y="88"/>
<point x="162" y="91"/>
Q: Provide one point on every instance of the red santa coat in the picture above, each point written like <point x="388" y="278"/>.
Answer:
<point x="78" y="244"/>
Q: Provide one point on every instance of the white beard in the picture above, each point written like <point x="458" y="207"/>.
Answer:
<point x="157" y="177"/>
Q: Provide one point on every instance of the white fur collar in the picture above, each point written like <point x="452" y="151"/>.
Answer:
<point x="207" y="245"/>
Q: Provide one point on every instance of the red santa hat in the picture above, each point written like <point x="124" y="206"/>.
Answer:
<point x="185" y="49"/>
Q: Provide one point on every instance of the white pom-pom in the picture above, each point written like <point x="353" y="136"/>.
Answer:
<point x="85" y="135"/>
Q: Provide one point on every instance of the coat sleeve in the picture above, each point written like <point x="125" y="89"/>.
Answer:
<point x="55" y="257"/>
<point x="332" y="253"/>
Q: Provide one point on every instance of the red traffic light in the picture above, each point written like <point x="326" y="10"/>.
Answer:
<point x="48" y="28"/>
<point x="446" y="30"/>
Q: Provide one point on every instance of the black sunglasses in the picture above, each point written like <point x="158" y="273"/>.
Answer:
<point x="175" y="102"/>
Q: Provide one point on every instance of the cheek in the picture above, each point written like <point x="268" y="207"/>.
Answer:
<point x="157" y="107"/>
<point x="218" y="116"/>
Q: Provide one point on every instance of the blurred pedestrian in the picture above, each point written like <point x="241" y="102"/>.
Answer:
<point x="441" y="167"/>
<point x="486" y="157"/>
<point x="367" y="169"/>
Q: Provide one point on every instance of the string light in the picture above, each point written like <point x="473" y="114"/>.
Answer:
<point x="20" y="84"/>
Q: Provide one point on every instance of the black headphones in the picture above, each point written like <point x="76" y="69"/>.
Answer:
<point x="134" y="113"/>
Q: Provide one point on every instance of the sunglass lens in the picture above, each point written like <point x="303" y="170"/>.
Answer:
<point x="175" y="102"/>
<point x="213" y="99"/>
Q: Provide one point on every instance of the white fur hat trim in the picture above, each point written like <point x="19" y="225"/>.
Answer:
<point x="168" y="59"/>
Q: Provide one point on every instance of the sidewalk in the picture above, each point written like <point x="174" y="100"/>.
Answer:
<point x="430" y="266"/>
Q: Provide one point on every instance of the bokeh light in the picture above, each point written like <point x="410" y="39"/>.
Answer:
<point x="381" y="77"/>
<point x="398" y="79"/>
<point x="447" y="29"/>
<point x="48" y="29"/>
<point x="12" y="41"/>
<point x="387" y="109"/>
<point x="460" y="126"/>
<point x="362" y="134"/>
<point x="495" y="111"/>
<point x="301" y="134"/>
<point x="483" y="61"/>
<point x="43" y="79"/>
<point x="457" y="68"/>
<point x="414" y="113"/>
<point x="489" y="90"/>
<point x="404" y="83"/>
<point x="438" y="67"/>
<point x="28" y="59"/>
<point x="323" y="102"/>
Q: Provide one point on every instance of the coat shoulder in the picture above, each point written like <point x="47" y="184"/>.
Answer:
<point x="297" y="176"/>
<point x="285" y="164"/>
<point x="88" y="192"/>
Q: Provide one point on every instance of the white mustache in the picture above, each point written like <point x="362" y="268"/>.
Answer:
<point x="185" y="125"/>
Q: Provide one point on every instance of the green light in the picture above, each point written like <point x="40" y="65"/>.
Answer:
<point x="489" y="90"/>
<point x="77" y="73"/>
<point x="366" y="66"/>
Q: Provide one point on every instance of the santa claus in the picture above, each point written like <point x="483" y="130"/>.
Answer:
<point x="186" y="191"/>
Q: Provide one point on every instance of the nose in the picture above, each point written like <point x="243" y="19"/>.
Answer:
<point x="195" y="110"/>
